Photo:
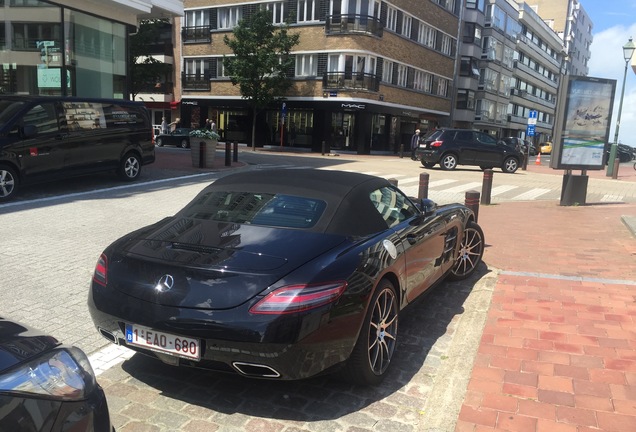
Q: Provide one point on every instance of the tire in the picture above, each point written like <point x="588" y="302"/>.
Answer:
<point x="448" y="162"/>
<point x="159" y="142"/>
<point x="372" y="354"/>
<point x="130" y="167"/>
<point x="471" y="250"/>
<point x="184" y="143"/>
<point x="427" y="164"/>
<point x="9" y="183"/>
<point x="510" y="165"/>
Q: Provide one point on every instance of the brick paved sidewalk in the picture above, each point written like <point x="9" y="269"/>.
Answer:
<point x="558" y="353"/>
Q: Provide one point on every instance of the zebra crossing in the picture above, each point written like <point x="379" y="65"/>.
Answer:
<point x="447" y="190"/>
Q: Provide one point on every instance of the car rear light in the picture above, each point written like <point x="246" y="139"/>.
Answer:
<point x="437" y="143"/>
<point x="101" y="270"/>
<point x="298" y="298"/>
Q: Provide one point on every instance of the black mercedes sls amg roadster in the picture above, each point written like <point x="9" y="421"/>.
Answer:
<point x="281" y="274"/>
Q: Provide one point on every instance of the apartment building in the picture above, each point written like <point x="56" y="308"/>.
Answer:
<point x="367" y="73"/>
<point x="510" y="65"/>
<point x="71" y="47"/>
<point x="569" y="19"/>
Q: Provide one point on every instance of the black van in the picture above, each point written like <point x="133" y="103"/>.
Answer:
<point x="47" y="138"/>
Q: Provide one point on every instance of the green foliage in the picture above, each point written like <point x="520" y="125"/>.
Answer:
<point x="261" y="61"/>
<point x="205" y="134"/>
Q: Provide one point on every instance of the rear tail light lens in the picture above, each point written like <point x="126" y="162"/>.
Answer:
<point x="297" y="298"/>
<point x="437" y="143"/>
<point x="101" y="270"/>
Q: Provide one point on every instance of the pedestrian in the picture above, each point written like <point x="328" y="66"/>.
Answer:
<point x="212" y="126"/>
<point x="415" y="142"/>
<point x="164" y="126"/>
<point x="175" y="124"/>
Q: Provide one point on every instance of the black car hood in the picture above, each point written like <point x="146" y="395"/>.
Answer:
<point x="209" y="264"/>
<point x="18" y="344"/>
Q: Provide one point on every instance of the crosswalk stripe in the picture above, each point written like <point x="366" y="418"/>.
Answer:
<point x="442" y="182"/>
<point x="532" y="194"/>
<point x="498" y="190"/>
<point x="462" y="188"/>
<point x="612" y="198"/>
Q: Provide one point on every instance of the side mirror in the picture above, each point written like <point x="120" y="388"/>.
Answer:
<point x="428" y="206"/>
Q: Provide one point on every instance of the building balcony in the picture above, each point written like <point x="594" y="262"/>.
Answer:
<point x="350" y="81"/>
<point x="199" y="34"/>
<point x="348" y="24"/>
<point x="195" y="82"/>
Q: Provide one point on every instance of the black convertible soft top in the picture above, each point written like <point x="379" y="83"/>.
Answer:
<point x="349" y="209"/>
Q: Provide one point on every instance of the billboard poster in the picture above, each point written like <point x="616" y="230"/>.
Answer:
<point x="586" y="122"/>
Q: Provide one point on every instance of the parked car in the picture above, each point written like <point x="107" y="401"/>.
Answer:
<point x="452" y="147"/>
<point x="545" y="147"/>
<point x="47" y="386"/>
<point x="281" y="274"/>
<point x="49" y="138"/>
<point x="179" y="137"/>
<point x="521" y="144"/>
<point x="624" y="153"/>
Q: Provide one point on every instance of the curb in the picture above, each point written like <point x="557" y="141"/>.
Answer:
<point x="630" y="223"/>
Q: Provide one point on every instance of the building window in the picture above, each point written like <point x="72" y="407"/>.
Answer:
<point x="407" y="22"/>
<point x="391" y="20"/>
<point x="306" y="11"/>
<point x="278" y="12"/>
<point x="442" y="87"/>
<point x="387" y="71"/>
<point x="228" y="17"/>
<point x="446" y="45"/>
<point x="426" y="36"/>
<point x="306" y="65"/>
<point x="402" y="77"/>
<point x="475" y="4"/>
<point x="419" y="80"/>
<point x="465" y="99"/>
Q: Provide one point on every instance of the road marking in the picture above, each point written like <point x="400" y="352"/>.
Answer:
<point x="462" y="188"/>
<point x="612" y="198"/>
<point x="531" y="194"/>
<point x="441" y="182"/>
<point x="570" y="278"/>
<point x="502" y="189"/>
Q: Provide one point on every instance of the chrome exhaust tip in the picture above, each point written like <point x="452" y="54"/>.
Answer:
<point x="255" y="370"/>
<point x="108" y="335"/>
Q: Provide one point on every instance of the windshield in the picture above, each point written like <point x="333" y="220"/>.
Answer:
<point x="278" y="210"/>
<point x="8" y="108"/>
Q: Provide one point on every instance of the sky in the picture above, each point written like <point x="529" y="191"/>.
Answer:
<point x="614" y="22"/>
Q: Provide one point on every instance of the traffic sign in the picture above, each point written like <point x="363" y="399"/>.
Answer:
<point x="530" y="130"/>
<point x="532" y="117"/>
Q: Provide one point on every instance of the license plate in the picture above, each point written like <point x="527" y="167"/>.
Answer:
<point x="179" y="346"/>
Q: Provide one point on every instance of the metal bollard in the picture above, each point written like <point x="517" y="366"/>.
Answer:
<point x="617" y="163"/>
<point x="472" y="202"/>
<point x="401" y="151"/>
<point x="486" y="187"/>
<point x="228" y="154"/>
<point x="202" y="154"/>
<point x="422" y="191"/>
<point x="524" y="164"/>
<point x="323" y="147"/>
<point x="394" y="182"/>
<point x="235" y="155"/>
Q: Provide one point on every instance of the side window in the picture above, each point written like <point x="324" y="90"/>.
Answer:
<point x="393" y="206"/>
<point x="43" y="117"/>
<point x="486" y="139"/>
<point x="464" y="136"/>
<point x="83" y="115"/>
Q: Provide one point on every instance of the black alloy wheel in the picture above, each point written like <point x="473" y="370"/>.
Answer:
<point x="470" y="252"/>
<point x="376" y="344"/>
<point x="184" y="143"/>
<point x="159" y="142"/>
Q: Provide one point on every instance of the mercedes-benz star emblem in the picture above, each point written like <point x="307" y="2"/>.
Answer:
<point x="165" y="283"/>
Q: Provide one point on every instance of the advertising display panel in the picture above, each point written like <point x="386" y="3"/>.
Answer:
<point x="585" y="113"/>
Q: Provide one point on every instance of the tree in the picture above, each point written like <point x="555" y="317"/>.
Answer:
<point x="146" y="71"/>
<point x="260" y="62"/>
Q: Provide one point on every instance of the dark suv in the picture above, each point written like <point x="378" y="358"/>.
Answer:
<point x="452" y="147"/>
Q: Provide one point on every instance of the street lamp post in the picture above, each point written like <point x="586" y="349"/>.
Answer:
<point x="628" y="52"/>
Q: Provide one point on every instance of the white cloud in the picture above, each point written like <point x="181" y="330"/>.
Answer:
<point x="607" y="62"/>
